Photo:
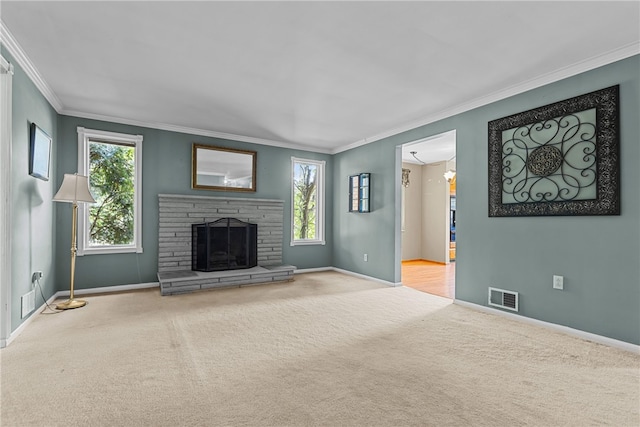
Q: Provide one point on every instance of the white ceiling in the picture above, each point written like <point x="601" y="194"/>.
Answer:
<point x="433" y="149"/>
<point x="325" y="76"/>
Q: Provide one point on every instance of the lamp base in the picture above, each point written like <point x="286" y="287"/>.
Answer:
<point x="71" y="303"/>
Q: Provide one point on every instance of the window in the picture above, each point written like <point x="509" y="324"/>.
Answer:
<point x="113" y="163"/>
<point x="307" y="201"/>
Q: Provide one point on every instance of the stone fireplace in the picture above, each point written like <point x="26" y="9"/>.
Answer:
<point x="178" y="213"/>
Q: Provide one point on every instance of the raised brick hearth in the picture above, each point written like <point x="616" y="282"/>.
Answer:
<point x="178" y="212"/>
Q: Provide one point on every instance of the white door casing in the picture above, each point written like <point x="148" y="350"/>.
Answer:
<point x="6" y="73"/>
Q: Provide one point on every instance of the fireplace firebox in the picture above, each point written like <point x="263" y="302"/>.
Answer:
<point x="225" y="244"/>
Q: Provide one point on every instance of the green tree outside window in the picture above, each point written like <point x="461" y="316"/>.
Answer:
<point x="305" y="201"/>
<point x="111" y="180"/>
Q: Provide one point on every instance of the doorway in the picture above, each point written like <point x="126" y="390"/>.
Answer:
<point x="428" y="214"/>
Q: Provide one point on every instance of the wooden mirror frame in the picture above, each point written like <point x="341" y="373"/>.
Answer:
<point x="207" y="160"/>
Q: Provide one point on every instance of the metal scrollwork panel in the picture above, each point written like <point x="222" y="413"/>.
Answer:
<point x="560" y="159"/>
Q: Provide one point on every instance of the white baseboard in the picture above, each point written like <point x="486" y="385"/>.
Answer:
<point x="109" y="289"/>
<point x="623" y="345"/>
<point x="363" y="276"/>
<point x="312" y="270"/>
<point x="350" y="273"/>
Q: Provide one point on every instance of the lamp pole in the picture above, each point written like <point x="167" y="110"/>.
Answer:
<point x="71" y="302"/>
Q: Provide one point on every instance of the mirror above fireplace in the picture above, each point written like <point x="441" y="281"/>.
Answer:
<point x="223" y="169"/>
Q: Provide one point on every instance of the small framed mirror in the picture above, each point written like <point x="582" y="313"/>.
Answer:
<point x="222" y="169"/>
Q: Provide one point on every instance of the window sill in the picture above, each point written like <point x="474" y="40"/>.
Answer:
<point x="307" y="242"/>
<point x="113" y="250"/>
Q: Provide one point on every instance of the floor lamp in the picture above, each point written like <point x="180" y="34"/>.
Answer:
<point x="74" y="189"/>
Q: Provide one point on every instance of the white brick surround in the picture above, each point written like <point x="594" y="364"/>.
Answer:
<point x="178" y="212"/>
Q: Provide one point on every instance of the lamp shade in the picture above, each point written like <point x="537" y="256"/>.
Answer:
<point x="74" y="188"/>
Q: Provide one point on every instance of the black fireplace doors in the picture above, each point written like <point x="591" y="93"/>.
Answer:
<point x="225" y="244"/>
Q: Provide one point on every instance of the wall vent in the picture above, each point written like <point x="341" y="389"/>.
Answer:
<point x="28" y="303"/>
<point x="503" y="299"/>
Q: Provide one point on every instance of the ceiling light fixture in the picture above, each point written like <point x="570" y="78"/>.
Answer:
<point x="450" y="174"/>
<point x="413" y="153"/>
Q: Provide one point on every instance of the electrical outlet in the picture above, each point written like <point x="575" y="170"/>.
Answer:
<point x="366" y="257"/>
<point x="36" y="276"/>
<point x="558" y="282"/>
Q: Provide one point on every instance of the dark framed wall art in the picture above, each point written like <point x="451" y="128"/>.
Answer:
<point x="560" y="159"/>
<point x="39" y="153"/>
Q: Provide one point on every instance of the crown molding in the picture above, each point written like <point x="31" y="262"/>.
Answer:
<point x="195" y="131"/>
<point x="23" y="60"/>
<point x="580" y="67"/>
<point x="621" y="53"/>
<point x="25" y="63"/>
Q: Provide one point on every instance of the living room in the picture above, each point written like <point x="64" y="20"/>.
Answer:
<point x="588" y="251"/>
<point x="359" y="254"/>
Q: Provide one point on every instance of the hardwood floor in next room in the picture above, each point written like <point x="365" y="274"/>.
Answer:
<point x="430" y="277"/>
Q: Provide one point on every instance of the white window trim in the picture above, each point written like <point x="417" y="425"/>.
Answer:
<point x="84" y="136"/>
<point x="320" y="206"/>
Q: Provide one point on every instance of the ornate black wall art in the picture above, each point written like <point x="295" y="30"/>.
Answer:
<point x="560" y="159"/>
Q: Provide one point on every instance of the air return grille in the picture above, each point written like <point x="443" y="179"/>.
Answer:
<point x="503" y="299"/>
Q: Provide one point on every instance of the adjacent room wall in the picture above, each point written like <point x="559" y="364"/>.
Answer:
<point x="435" y="213"/>
<point x="426" y="220"/>
<point x="32" y="214"/>
<point x="412" y="232"/>
<point x="598" y="256"/>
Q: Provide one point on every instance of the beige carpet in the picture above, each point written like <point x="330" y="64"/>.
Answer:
<point x="324" y="350"/>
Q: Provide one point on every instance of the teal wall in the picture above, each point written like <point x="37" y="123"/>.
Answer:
<point x="598" y="256"/>
<point x="374" y="232"/>
<point x="32" y="212"/>
<point x="166" y="168"/>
